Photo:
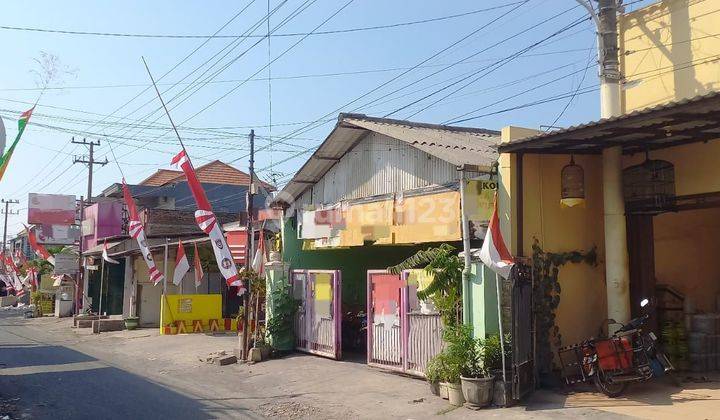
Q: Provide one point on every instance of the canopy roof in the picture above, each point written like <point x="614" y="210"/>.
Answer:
<point x="676" y="123"/>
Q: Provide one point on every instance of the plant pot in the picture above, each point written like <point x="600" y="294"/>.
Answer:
<point x="443" y="390"/>
<point x="434" y="387"/>
<point x="131" y="322"/>
<point x="478" y="392"/>
<point x="455" y="395"/>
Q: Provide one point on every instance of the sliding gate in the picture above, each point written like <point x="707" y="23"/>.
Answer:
<point x="318" y="320"/>
<point x="404" y="333"/>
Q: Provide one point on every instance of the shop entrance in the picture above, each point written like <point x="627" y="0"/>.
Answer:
<point x="673" y="257"/>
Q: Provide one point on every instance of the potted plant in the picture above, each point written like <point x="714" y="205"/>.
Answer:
<point x="433" y="373"/>
<point x="457" y="354"/>
<point x="477" y="382"/>
<point x="131" y="322"/>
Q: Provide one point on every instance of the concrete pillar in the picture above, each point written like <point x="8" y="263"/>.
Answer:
<point x="617" y="268"/>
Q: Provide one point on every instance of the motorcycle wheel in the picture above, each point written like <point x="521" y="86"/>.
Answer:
<point x="612" y="390"/>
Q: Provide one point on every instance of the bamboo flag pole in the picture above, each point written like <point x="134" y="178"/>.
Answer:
<point x="102" y="278"/>
<point x="500" y="325"/>
<point x="165" y="267"/>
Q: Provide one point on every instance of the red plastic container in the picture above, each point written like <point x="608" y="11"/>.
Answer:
<point x="614" y="354"/>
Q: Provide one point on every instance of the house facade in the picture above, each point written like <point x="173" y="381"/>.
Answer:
<point x="166" y="209"/>
<point x="375" y="192"/>
<point x="668" y="135"/>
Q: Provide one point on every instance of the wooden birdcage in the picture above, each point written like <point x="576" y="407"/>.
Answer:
<point x="572" y="184"/>
<point x="650" y="186"/>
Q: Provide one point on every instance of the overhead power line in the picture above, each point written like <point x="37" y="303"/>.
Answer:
<point x="280" y="35"/>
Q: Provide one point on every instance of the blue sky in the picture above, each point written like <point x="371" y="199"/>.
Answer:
<point x="108" y="72"/>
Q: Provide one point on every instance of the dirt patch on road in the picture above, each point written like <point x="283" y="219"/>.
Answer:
<point x="302" y="410"/>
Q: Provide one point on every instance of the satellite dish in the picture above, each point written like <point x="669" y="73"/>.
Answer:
<point x="2" y="137"/>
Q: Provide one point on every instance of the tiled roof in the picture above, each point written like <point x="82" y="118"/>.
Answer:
<point x="161" y="177"/>
<point x="217" y="172"/>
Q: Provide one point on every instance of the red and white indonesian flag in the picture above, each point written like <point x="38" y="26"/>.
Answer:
<point x="31" y="277"/>
<point x="137" y="231"/>
<point x="207" y="221"/>
<point x="182" y="266"/>
<point x="494" y="253"/>
<point x="40" y="250"/>
<point x="8" y="283"/>
<point x="258" y="263"/>
<point x="198" y="267"/>
<point x="106" y="257"/>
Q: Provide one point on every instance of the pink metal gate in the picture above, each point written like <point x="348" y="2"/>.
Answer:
<point x="318" y="321"/>
<point x="403" y="333"/>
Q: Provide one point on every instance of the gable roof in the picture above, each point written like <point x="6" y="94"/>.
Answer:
<point x="161" y="177"/>
<point x="461" y="146"/>
<point x="214" y="172"/>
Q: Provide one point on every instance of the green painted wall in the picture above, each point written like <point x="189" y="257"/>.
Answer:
<point x="483" y="303"/>
<point x="352" y="262"/>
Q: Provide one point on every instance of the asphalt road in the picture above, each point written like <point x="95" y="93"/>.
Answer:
<point x="45" y="377"/>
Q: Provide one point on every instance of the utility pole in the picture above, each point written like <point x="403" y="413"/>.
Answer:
<point x="90" y="161"/>
<point x="617" y="271"/>
<point x="80" y="286"/>
<point x="7" y="212"/>
<point x="248" y="248"/>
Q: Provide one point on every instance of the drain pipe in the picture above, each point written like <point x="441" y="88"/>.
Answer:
<point x="466" y="249"/>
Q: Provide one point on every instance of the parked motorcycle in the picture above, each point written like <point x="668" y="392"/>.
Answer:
<point x="630" y="355"/>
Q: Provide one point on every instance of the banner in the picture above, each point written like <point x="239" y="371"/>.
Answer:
<point x="137" y="231"/>
<point x="208" y="223"/>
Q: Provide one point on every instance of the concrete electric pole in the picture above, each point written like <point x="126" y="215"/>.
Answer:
<point x="7" y="212"/>
<point x="617" y="271"/>
<point x="248" y="247"/>
<point x="90" y="161"/>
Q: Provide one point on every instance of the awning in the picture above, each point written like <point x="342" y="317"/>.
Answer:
<point x="130" y="246"/>
<point x="97" y="249"/>
<point x="677" y="123"/>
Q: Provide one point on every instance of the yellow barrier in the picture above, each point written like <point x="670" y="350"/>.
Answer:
<point x="185" y="314"/>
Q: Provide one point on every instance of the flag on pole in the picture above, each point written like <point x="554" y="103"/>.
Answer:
<point x="31" y="278"/>
<point x="22" y="123"/>
<point x="13" y="273"/>
<point x="8" y="283"/>
<point x="137" y="231"/>
<point x="105" y="255"/>
<point x="40" y="250"/>
<point x="207" y="221"/>
<point x="493" y="252"/>
<point x="182" y="266"/>
<point x="198" y="267"/>
<point x="259" y="260"/>
<point x="20" y="258"/>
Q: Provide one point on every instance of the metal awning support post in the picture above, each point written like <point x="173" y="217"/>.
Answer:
<point x="466" y="249"/>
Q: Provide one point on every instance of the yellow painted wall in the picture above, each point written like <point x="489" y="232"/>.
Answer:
<point x="687" y="245"/>
<point x="696" y="166"/>
<point x="669" y="52"/>
<point x="583" y="298"/>
<point x="189" y="308"/>
<point x="583" y="302"/>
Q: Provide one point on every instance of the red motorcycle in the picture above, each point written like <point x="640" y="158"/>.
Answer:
<point x="630" y="355"/>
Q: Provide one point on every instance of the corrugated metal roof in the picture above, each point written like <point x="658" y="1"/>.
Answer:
<point x="459" y="146"/>
<point x="666" y="125"/>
